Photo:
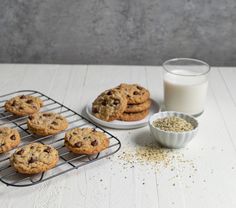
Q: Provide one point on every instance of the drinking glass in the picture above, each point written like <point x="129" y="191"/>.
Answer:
<point x="185" y="85"/>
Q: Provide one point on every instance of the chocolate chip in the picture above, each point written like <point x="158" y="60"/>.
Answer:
<point x="74" y="133"/>
<point x="139" y="88"/>
<point x="32" y="160"/>
<point x="13" y="137"/>
<point x="94" y="143"/>
<point x="104" y="102"/>
<point x="22" y="97"/>
<point x="30" y="117"/>
<point x="29" y="101"/>
<point x="109" y="93"/>
<point x="32" y="147"/>
<point x="2" y="144"/>
<point x="48" y="149"/>
<point x="54" y="123"/>
<point x="1" y="132"/>
<point x="116" y="102"/>
<point x="21" y="108"/>
<point x="95" y="110"/>
<point x="94" y="130"/>
<point x="46" y="114"/>
<point x="78" y="144"/>
<point x="20" y="152"/>
<point x="14" y="103"/>
<point x="136" y="93"/>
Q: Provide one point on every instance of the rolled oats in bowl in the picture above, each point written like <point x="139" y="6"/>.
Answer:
<point x="173" y="123"/>
<point x="173" y="129"/>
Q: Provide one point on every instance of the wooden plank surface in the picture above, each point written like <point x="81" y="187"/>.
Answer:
<point x="201" y="175"/>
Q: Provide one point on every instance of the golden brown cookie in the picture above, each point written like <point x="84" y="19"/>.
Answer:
<point x="135" y="108"/>
<point x="109" y="105"/>
<point x="134" y="116"/>
<point x="34" y="158"/>
<point x="44" y="124"/>
<point x="9" y="139"/>
<point x="86" y="141"/>
<point x="135" y="93"/>
<point x="23" y="105"/>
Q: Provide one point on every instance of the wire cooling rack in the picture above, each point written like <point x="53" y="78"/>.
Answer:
<point x="68" y="161"/>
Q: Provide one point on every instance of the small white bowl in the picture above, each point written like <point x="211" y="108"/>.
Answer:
<point x="173" y="139"/>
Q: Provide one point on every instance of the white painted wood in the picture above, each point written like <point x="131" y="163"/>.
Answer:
<point x="206" y="174"/>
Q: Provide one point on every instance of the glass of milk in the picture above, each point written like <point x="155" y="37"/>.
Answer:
<point x="185" y="85"/>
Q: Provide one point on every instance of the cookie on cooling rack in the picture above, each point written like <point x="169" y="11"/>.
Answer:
<point x="34" y="158"/>
<point x="9" y="139"/>
<point x="109" y="105"/>
<point x="135" y="93"/>
<point x="48" y="123"/>
<point x="23" y="105"/>
<point x="86" y="141"/>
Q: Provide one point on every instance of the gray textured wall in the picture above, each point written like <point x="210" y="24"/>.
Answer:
<point x="117" y="31"/>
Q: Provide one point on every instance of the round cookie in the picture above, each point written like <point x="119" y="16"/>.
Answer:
<point x="34" y="158"/>
<point x="135" y="93"/>
<point x="86" y="141"/>
<point x="9" y="139"/>
<point x="23" y="105"/>
<point x="109" y="105"/>
<point x="135" y="108"/>
<point x="134" y="116"/>
<point x="47" y="123"/>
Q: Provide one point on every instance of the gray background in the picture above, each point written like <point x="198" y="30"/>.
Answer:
<point x="117" y="31"/>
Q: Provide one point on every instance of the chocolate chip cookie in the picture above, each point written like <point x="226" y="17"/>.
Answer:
<point x="135" y="108"/>
<point x="23" y="105"/>
<point x="34" y="158"/>
<point x="134" y="116"/>
<point x="47" y="123"/>
<point x="109" y="105"/>
<point x="9" y="139"/>
<point x="135" y="93"/>
<point x="86" y="141"/>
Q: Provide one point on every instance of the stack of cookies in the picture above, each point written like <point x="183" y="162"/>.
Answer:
<point x="127" y="102"/>
<point x="36" y="157"/>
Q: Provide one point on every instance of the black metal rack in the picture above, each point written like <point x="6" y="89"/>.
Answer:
<point x="68" y="161"/>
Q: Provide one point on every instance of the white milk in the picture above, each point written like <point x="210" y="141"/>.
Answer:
<point x="185" y="93"/>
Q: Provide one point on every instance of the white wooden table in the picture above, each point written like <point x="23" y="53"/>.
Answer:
<point x="204" y="176"/>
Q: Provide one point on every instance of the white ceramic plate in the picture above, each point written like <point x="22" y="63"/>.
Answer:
<point x="155" y="108"/>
